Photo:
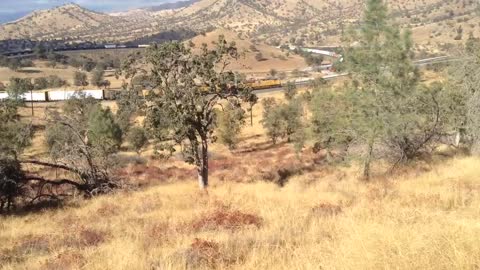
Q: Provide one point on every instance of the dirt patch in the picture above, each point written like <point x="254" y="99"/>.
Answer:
<point x="221" y="165"/>
<point x="142" y="175"/>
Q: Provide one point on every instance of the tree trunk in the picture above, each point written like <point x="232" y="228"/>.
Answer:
<point x="31" y="100"/>
<point x="203" y="168"/>
<point x="203" y="177"/>
<point x="368" y="161"/>
<point x="251" y="116"/>
<point x="458" y="138"/>
<point x="9" y="203"/>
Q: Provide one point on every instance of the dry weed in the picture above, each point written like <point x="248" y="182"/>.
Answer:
<point x="326" y="210"/>
<point x="226" y="219"/>
<point x="68" y="260"/>
<point x="85" y="237"/>
<point x="203" y="253"/>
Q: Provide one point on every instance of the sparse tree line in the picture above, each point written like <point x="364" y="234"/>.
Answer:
<point x="53" y="81"/>
<point x="83" y="138"/>
<point x="383" y="113"/>
<point x="84" y="63"/>
<point x="89" y="64"/>
<point x="310" y="58"/>
<point x="81" y="78"/>
<point x="97" y="78"/>
<point x="15" y="63"/>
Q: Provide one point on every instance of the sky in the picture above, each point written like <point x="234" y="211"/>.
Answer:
<point x="14" y="9"/>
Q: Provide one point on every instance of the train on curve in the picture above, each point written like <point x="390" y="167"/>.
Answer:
<point x="99" y="94"/>
<point x="60" y="95"/>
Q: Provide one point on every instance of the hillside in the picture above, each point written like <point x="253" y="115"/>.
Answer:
<point x="173" y="5"/>
<point x="436" y="24"/>
<point x="272" y="58"/>
<point x="327" y="223"/>
<point x="322" y="218"/>
<point x="72" y="22"/>
<point x="52" y="23"/>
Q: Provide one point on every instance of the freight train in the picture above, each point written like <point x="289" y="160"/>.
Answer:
<point x="29" y="52"/>
<point x="98" y="94"/>
<point x="264" y="84"/>
<point x="61" y="95"/>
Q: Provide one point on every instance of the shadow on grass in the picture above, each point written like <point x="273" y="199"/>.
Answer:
<point x="39" y="207"/>
<point x="260" y="147"/>
<point x="29" y="71"/>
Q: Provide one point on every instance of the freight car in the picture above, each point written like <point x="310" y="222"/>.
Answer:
<point x="35" y="96"/>
<point x="62" y="95"/>
<point x="59" y="95"/>
<point x="30" y="96"/>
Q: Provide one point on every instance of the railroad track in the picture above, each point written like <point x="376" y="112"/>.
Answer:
<point x="34" y="96"/>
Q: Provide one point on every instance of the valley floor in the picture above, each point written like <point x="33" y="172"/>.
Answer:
<point x="427" y="218"/>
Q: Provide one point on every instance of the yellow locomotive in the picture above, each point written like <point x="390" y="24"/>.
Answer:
<point x="264" y="84"/>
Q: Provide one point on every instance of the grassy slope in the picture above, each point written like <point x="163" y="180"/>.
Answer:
<point x="425" y="218"/>
<point x="247" y="63"/>
<point x="64" y="72"/>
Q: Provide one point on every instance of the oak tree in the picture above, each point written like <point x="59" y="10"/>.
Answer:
<point x="188" y="87"/>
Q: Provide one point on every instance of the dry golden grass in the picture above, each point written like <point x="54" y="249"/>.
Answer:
<point x="64" y="72"/>
<point x="425" y="217"/>
<point x="247" y="63"/>
<point x="421" y="220"/>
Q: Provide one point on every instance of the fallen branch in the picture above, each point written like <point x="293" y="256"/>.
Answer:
<point x="60" y="182"/>
<point x="51" y="165"/>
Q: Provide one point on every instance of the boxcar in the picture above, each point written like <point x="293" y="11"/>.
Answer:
<point x="59" y="95"/>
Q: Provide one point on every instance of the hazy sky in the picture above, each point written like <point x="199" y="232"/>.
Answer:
<point x="13" y="9"/>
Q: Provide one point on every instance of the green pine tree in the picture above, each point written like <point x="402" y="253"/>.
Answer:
<point x="103" y="131"/>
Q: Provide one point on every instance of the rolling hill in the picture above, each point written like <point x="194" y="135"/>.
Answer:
<point x="52" y="23"/>
<point x="436" y="24"/>
<point x="248" y="63"/>
<point x="73" y="22"/>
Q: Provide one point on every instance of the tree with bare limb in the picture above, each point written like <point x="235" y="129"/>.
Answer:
<point x="384" y="110"/>
<point x="83" y="139"/>
<point x="14" y="137"/>
<point x="188" y="87"/>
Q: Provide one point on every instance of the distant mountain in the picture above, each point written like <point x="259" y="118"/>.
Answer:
<point x="54" y="23"/>
<point x="75" y="23"/>
<point x="435" y="23"/>
<point x="175" y="5"/>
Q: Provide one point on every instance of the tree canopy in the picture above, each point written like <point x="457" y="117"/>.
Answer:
<point x="188" y="88"/>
